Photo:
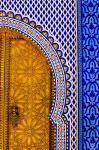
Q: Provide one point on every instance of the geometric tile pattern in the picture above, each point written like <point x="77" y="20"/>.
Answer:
<point x="59" y="19"/>
<point x="71" y="55"/>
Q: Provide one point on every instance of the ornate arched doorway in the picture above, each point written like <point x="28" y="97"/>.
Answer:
<point x="58" y="68"/>
<point x="26" y="93"/>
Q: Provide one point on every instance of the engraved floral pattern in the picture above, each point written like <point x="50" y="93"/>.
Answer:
<point x="29" y="69"/>
<point x="42" y="101"/>
<point x="29" y="131"/>
<point x="30" y="91"/>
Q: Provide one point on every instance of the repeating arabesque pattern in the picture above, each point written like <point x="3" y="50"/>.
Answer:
<point x="90" y="49"/>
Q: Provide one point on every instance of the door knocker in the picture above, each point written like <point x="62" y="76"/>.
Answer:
<point x="14" y="115"/>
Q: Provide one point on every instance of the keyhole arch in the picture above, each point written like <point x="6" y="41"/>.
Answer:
<point x="34" y="32"/>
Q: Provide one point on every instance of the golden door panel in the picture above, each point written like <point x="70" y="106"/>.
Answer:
<point x="25" y="94"/>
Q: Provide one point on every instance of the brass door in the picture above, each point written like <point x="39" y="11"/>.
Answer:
<point x="25" y="94"/>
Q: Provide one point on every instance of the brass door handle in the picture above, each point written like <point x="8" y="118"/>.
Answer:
<point x="14" y="115"/>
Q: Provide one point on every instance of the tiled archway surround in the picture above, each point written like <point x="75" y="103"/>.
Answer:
<point x="49" y="49"/>
<point x="63" y="29"/>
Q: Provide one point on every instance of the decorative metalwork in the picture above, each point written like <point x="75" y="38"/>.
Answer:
<point x="27" y="97"/>
<point x="14" y="115"/>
